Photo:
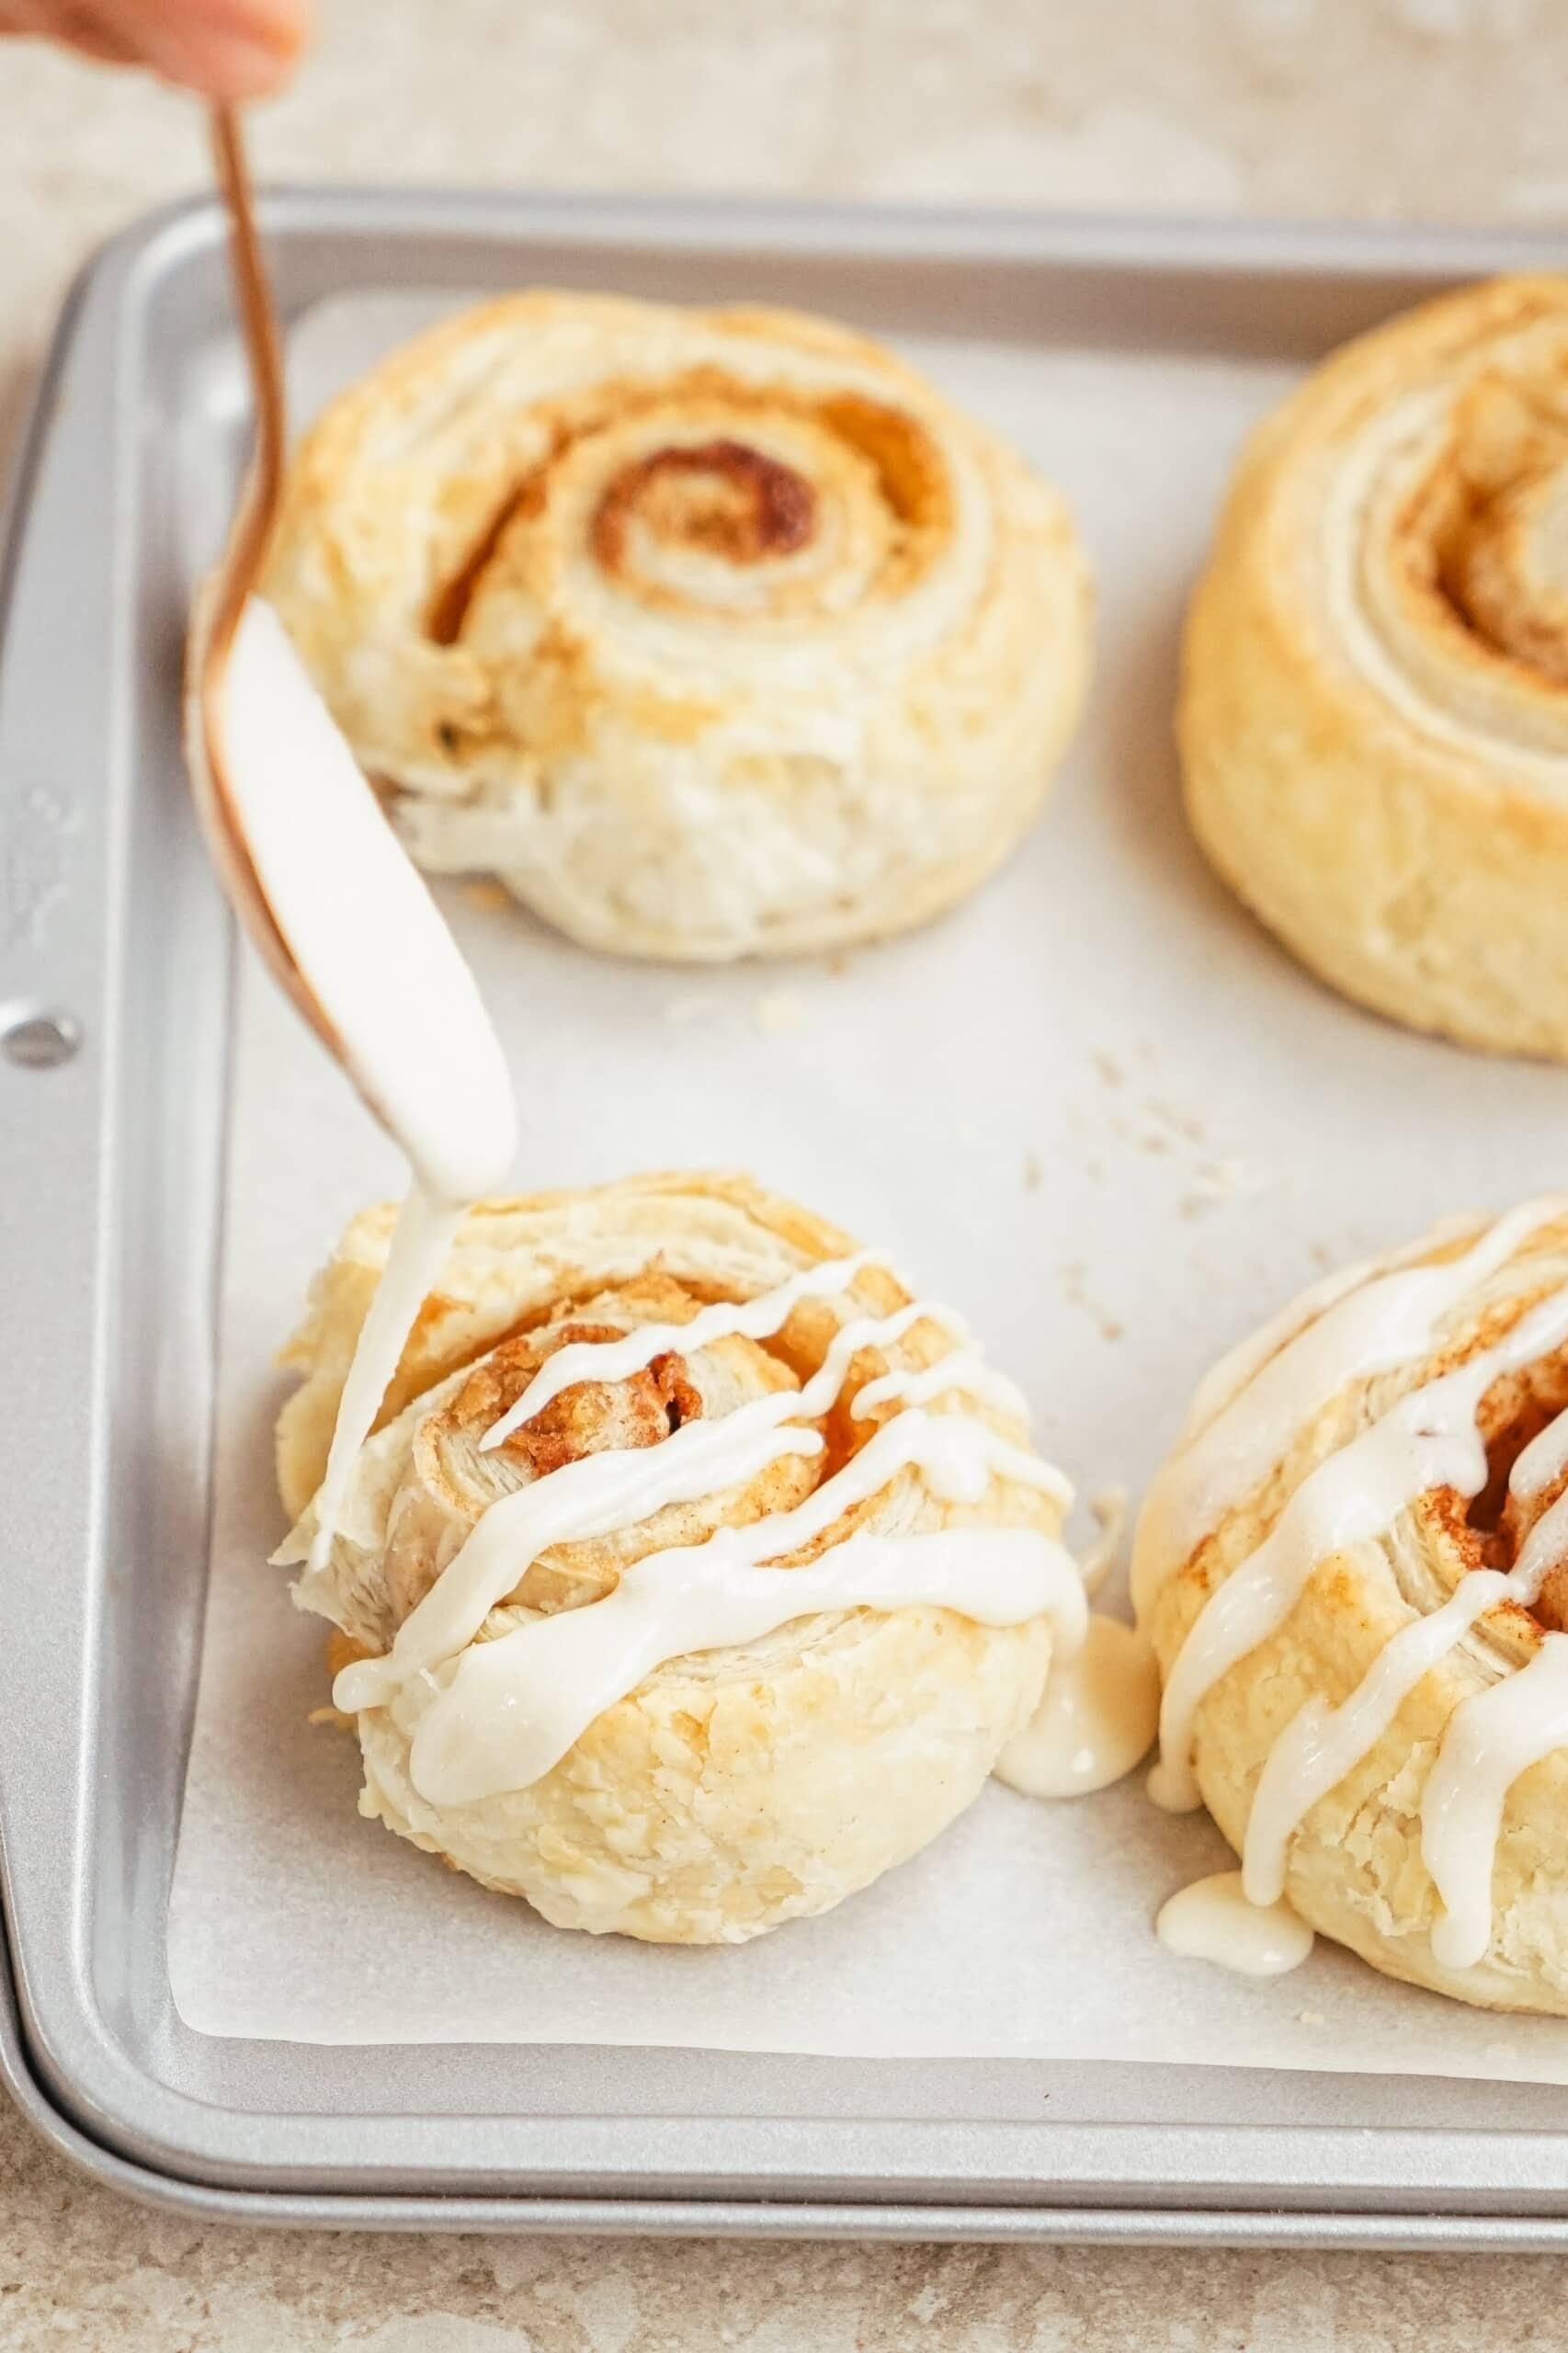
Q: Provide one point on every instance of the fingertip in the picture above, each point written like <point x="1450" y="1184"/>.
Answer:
<point x="235" y="67"/>
<point x="227" y="50"/>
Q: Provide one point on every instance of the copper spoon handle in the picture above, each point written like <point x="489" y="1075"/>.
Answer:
<point x="258" y="510"/>
<point x="223" y="600"/>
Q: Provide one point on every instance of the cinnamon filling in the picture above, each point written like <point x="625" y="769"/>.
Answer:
<point x="1482" y="534"/>
<point x="720" y="497"/>
<point x="1489" y="1531"/>
<point x="591" y="1417"/>
<point x="449" y="606"/>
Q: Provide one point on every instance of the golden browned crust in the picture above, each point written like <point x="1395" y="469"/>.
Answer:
<point x="1374" y="710"/>
<point x="731" y="1790"/>
<point x="710" y="632"/>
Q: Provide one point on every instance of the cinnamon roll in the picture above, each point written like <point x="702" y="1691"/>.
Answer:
<point x="1374" y="715"/>
<point x="1354" y="1568"/>
<point x="711" y="633"/>
<point x="696" y="1573"/>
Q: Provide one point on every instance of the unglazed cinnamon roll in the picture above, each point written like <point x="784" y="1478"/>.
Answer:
<point x="699" y="1572"/>
<point x="1354" y="1568"/>
<point x="712" y="633"/>
<point x="1374" y="717"/>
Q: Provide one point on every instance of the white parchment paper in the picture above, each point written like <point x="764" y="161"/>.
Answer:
<point x="1096" y="1110"/>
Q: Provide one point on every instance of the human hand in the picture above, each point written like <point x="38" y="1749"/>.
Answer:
<point x="224" y="49"/>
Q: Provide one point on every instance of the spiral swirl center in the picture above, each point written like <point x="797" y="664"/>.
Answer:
<point x="1488" y="528"/>
<point x="720" y="497"/>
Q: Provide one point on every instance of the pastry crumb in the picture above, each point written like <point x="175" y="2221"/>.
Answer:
<point x="490" y="898"/>
<point x="1034" y="1172"/>
<point x="1214" y="1181"/>
<point x="1075" y="1290"/>
<point x="332" y="1717"/>
<point x="1109" y="1069"/>
<point x="1310" y="2017"/>
<point x="779" y="1010"/>
<point x="1186" y="1124"/>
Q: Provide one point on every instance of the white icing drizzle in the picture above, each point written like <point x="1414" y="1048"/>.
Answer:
<point x="1462" y="1807"/>
<point x="1212" y="1920"/>
<point x="1351" y="1498"/>
<point x="964" y="1370"/>
<point x="593" y="1497"/>
<point x="1321" y="1745"/>
<point x="512" y="1709"/>
<point x="623" y="1486"/>
<point x="1542" y="1462"/>
<point x="1490" y="1741"/>
<point x="1429" y="1438"/>
<point x="1546" y="1544"/>
<point x="500" y="1707"/>
<point x="758" y="1319"/>
<point x="1095" y="1720"/>
<point x="1373" y="1328"/>
<point x="1224" y="1382"/>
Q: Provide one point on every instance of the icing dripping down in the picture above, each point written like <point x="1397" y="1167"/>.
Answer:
<point x="1095" y="1720"/>
<point x="1212" y="1920"/>
<point x="424" y="1231"/>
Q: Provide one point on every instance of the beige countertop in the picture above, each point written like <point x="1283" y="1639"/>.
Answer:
<point x="1419" y="108"/>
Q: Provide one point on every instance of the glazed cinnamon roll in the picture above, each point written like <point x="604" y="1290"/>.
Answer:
<point x="696" y="1573"/>
<point x="1354" y="1568"/>
<point x="1374" y="716"/>
<point x="712" y="633"/>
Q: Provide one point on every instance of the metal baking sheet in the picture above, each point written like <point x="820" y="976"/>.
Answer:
<point x="111" y="1174"/>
